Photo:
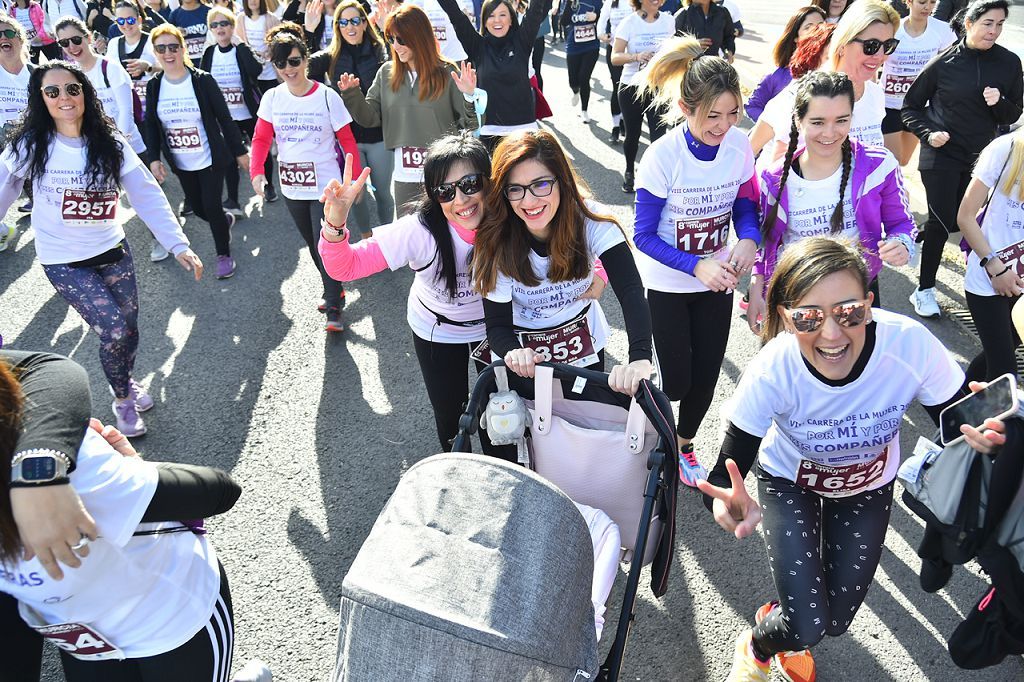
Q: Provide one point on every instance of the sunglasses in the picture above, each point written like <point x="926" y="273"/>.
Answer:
<point x="73" y="40"/>
<point x="121" y="21"/>
<point x="395" y="39"/>
<point x="70" y="89"/>
<point x="355" y="21"/>
<point x="9" y="33"/>
<point x="290" y="61"/>
<point x="218" y="24"/>
<point x="167" y="47"/>
<point x="469" y="184"/>
<point x="808" y="319"/>
<point x="538" y="188"/>
<point x="873" y="45"/>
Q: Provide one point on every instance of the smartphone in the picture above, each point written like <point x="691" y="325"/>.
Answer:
<point x="998" y="400"/>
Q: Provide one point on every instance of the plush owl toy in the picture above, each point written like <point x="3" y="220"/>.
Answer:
<point x="506" y="418"/>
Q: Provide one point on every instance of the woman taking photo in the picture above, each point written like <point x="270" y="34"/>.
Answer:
<point x="254" y="21"/>
<point x="188" y="121"/>
<point x="955" y="108"/>
<point x="637" y="38"/>
<point x="711" y="24"/>
<point x="687" y="264"/>
<point x="842" y="369"/>
<point x="79" y="240"/>
<point x="834" y="185"/>
<point x="533" y="261"/>
<point x="308" y="119"/>
<point x="993" y="283"/>
<point x="416" y="98"/>
<point x="612" y="14"/>
<point x="798" y="27"/>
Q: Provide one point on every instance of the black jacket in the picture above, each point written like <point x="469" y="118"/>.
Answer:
<point x="502" y="64"/>
<point x="364" y="61"/>
<point x="225" y="139"/>
<point x="717" y="26"/>
<point x="947" y="9"/>
<point x="947" y="97"/>
<point x="248" y="66"/>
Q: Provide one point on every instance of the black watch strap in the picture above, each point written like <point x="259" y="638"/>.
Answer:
<point x="23" y="484"/>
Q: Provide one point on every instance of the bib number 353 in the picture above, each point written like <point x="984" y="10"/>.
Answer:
<point x="841" y="481"/>
<point x="569" y="344"/>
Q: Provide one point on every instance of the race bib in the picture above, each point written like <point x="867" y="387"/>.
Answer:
<point x="31" y="34"/>
<point x="585" y="33"/>
<point x="840" y="481"/>
<point x="184" y="140"/>
<point x="441" y="33"/>
<point x="570" y="344"/>
<point x="298" y="175"/>
<point x="194" y="45"/>
<point x="140" y="89"/>
<point x="87" y="207"/>
<point x="481" y="354"/>
<point x="233" y="96"/>
<point x="80" y="641"/>
<point x="413" y="157"/>
<point x="898" y="84"/>
<point x="703" y="236"/>
<point x="1013" y="256"/>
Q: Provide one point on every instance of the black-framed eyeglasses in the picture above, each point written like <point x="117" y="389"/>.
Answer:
<point x="469" y="184"/>
<point x="121" y="21"/>
<point x="218" y="24"/>
<point x="167" y="47"/>
<point x="355" y="21"/>
<point x="290" y="61"/>
<point x="873" y="45"/>
<point x="808" y="319"/>
<point x="9" y="33"/>
<point x="73" y="40"/>
<point x="70" y="89"/>
<point x="392" y="39"/>
<point x="538" y="188"/>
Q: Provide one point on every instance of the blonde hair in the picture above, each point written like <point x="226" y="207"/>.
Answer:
<point x="679" y="71"/>
<point x="170" y="30"/>
<point x="858" y="17"/>
<point x="220" y="11"/>
<point x="1014" y="173"/>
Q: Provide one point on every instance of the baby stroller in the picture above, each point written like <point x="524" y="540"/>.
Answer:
<point x="481" y="569"/>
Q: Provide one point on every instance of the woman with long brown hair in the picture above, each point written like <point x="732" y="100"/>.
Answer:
<point x="416" y="97"/>
<point x="799" y="25"/>
<point x="533" y="261"/>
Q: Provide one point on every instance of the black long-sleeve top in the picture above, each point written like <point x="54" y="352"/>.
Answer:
<point x="716" y="25"/>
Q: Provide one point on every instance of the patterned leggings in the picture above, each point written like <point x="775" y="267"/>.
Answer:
<point x="821" y="577"/>
<point x="107" y="298"/>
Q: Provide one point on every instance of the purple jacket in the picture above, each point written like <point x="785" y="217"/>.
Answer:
<point x="879" y="199"/>
<point x="771" y="85"/>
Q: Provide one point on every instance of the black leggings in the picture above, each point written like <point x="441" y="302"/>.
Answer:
<point x="823" y="553"/>
<point x="538" y="60"/>
<point x="308" y="214"/>
<point x="616" y="73"/>
<point x="944" y="190"/>
<point x="445" y="369"/>
<point x="581" y="68"/>
<point x="202" y="190"/>
<point x="997" y="334"/>
<point x="691" y="332"/>
<point x="207" y="656"/>
<point x="231" y="174"/>
<point x="24" y="647"/>
<point x="634" y="108"/>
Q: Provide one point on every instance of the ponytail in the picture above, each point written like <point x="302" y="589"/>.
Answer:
<point x="681" y="70"/>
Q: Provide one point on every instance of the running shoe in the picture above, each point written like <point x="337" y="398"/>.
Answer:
<point x="254" y="671"/>
<point x="575" y="98"/>
<point x="6" y="235"/>
<point x="585" y="116"/>
<point x="627" y="182"/>
<point x="745" y="666"/>
<point x="225" y="267"/>
<point x="334" y="323"/>
<point x="232" y="207"/>
<point x="924" y="302"/>
<point x="128" y="420"/>
<point x="269" y="193"/>
<point x="614" y="137"/>
<point x="795" y="666"/>
<point x="185" y="209"/>
<point x="744" y="302"/>
<point x="26" y="207"/>
<point x="690" y="470"/>
<point x="322" y="306"/>
<point x="143" y="401"/>
<point x="158" y="252"/>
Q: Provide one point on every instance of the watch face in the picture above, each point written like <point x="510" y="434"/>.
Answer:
<point x="39" y="468"/>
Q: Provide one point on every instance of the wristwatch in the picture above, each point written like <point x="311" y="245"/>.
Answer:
<point x="39" y="467"/>
<point x="984" y="261"/>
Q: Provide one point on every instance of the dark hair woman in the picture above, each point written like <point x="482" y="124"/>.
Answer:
<point x="798" y="26"/>
<point x="254" y="22"/>
<point x="711" y="24"/>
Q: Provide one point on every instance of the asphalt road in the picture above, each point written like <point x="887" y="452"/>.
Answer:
<point x="319" y="429"/>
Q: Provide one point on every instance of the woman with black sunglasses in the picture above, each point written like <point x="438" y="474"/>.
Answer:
<point x="309" y="121"/>
<point x="819" y="410"/>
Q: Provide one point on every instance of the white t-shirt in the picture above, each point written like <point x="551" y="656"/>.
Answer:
<point x="407" y="242"/>
<point x="444" y="31"/>
<point x="1003" y="224"/>
<point x="147" y="56"/>
<point x="553" y="304"/>
<point x="641" y="36"/>
<point x="145" y="595"/>
<point x="304" y="128"/>
<point x="811" y="203"/>
<point x="71" y="222"/>
<point x="117" y="99"/>
<point x="866" y="125"/>
<point x="700" y="196"/>
<point x="256" y="36"/>
<point x="224" y="69"/>
<point x="13" y="94"/>
<point x="823" y="434"/>
<point x="178" y="110"/>
<point x="903" y="66"/>
<point x="611" y="17"/>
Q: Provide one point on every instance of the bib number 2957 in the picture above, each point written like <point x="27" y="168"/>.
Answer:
<point x="88" y="207"/>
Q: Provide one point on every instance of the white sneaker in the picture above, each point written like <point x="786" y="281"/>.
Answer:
<point x="925" y="304"/>
<point x="254" y="671"/>
<point x="158" y="252"/>
<point x="575" y="98"/>
<point x="585" y="116"/>
<point x="6" y="235"/>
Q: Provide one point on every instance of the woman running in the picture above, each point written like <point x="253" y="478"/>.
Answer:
<point x="190" y="17"/>
<point x="501" y="54"/>
<point x="833" y="185"/>
<point x="254" y="21"/>
<point x="819" y="410"/>
<point x="798" y="27"/>
<point x="637" y="38"/>
<point x="308" y="119"/>
<point x="533" y="261"/>
<point x="691" y="184"/>
<point x="416" y="98"/>
<point x="921" y="37"/>
<point x="38" y="29"/>
<point x="993" y="283"/>
<point x="78" y="164"/>
<point x="582" y="48"/>
<point x="710" y="23"/>
<point x="612" y="14"/>
<point x="955" y="107"/>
